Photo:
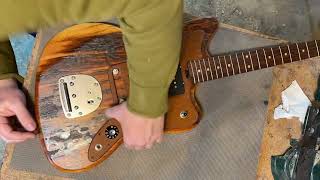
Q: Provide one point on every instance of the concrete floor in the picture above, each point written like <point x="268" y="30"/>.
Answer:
<point x="294" y="20"/>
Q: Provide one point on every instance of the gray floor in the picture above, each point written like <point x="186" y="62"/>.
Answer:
<point x="289" y="19"/>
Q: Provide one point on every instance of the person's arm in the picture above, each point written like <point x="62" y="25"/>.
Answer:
<point x="152" y="38"/>
<point x="152" y="31"/>
<point x="152" y="35"/>
<point x="8" y="67"/>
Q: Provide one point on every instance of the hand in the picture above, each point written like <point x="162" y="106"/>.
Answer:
<point x="139" y="132"/>
<point x="13" y="103"/>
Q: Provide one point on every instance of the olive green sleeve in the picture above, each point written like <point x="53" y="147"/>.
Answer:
<point x="8" y="68"/>
<point x="152" y="40"/>
<point x="152" y="34"/>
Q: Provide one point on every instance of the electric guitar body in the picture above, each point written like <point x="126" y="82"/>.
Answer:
<point x="83" y="71"/>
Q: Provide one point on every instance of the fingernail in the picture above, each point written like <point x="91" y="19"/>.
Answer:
<point x="31" y="127"/>
<point x="159" y="140"/>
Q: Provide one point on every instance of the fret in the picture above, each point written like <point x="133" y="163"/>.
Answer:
<point x="317" y="46"/>
<point x="220" y="66"/>
<point x="307" y="49"/>
<point x="289" y="53"/>
<point x="281" y="55"/>
<point x="284" y="54"/>
<point x="277" y="55"/>
<point x="270" y="59"/>
<point x="194" y="78"/>
<point x="312" y="47"/>
<point x="224" y="57"/>
<point x="197" y="70"/>
<point x="247" y="62"/>
<point x="251" y="61"/>
<point x="265" y="57"/>
<point x="228" y="65"/>
<point x="262" y="59"/>
<point x="211" y="69"/>
<point x="205" y="69"/>
<point x="294" y="51"/>
<point x="238" y="62"/>
<point x="303" y="51"/>
<point x="274" y="60"/>
<point x="244" y="61"/>
<point x="231" y="64"/>
<point x="234" y="63"/>
<point x="201" y="70"/>
<point x="254" y="60"/>
<point x="298" y="51"/>
<point x="215" y="67"/>
<point x="258" y="59"/>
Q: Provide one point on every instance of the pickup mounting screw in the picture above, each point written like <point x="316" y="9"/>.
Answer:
<point x="98" y="147"/>
<point x="183" y="114"/>
<point x="115" y="71"/>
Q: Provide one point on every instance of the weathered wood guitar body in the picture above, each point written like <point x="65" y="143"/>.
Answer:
<point x="83" y="71"/>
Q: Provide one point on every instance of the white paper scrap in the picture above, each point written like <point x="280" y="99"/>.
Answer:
<point x="294" y="103"/>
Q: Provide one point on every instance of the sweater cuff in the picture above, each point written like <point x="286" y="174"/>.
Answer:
<point x="147" y="101"/>
<point x="12" y="76"/>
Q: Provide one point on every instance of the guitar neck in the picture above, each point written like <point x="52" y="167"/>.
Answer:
<point x="225" y="65"/>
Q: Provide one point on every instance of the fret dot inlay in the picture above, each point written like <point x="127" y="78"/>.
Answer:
<point x="229" y="65"/>
<point x="285" y="54"/>
<point x="302" y="50"/>
<point x="249" y="66"/>
<point x="269" y="57"/>
<point x="218" y="67"/>
<point x="247" y="56"/>
<point x="208" y="69"/>
<point x="199" y="70"/>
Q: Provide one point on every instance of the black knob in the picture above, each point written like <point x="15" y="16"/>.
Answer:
<point x="112" y="132"/>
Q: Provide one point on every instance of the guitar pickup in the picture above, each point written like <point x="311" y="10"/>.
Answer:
<point x="79" y="95"/>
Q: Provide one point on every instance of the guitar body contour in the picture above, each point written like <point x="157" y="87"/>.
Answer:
<point x="82" y="72"/>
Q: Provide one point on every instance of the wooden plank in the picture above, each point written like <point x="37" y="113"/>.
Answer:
<point x="277" y="133"/>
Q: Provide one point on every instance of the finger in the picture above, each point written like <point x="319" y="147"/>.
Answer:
<point x="7" y="133"/>
<point x="148" y="146"/>
<point x="157" y="133"/>
<point x="159" y="140"/>
<point x="13" y="141"/>
<point x="126" y="146"/>
<point x="23" y="116"/>
<point x="138" y="147"/>
<point x="3" y="120"/>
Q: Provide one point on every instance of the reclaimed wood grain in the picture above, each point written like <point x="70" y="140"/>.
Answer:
<point x="277" y="133"/>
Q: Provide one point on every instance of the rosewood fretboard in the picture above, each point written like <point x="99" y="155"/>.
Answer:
<point x="225" y="65"/>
